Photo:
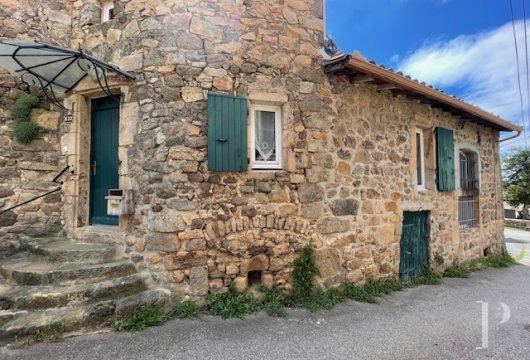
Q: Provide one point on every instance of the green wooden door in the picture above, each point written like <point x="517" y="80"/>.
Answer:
<point x="414" y="245"/>
<point x="103" y="158"/>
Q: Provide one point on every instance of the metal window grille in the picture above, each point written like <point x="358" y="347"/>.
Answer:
<point x="468" y="173"/>
<point x="467" y="212"/>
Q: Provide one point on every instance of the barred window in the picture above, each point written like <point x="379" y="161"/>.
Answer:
<point x="467" y="210"/>
<point x="468" y="170"/>
<point x="469" y="185"/>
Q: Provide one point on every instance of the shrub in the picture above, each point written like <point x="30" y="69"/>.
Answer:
<point x="21" y="111"/>
<point x="304" y="271"/>
<point x="26" y="131"/>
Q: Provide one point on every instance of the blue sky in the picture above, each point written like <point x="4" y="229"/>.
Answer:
<point x="464" y="47"/>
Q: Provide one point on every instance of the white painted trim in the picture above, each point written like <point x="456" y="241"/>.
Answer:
<point x="105" y="11"/>
<point x="422" y="159"/>
<point x="254" y="164"/>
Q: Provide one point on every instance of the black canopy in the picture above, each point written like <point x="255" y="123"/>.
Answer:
<point x="53" y="68"/>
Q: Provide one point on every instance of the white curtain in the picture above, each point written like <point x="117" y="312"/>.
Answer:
<point x="265" y="136"/>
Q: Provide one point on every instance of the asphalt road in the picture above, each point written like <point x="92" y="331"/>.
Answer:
<point x="428" y="322"/>
<point x="518" y="244"/>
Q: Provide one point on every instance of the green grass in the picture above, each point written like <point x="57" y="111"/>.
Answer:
<point x="274" y="302"/>
<point x="521" y="255"/>
<point x="186" y="309"/>
<point x="143" y="317"/>
<point x="457" y="271"/>
<point x="232" y="304"/>
<point x="377" y="288"/>
<point x="358" y="294"/>
<point x="430" y="277"/>
<point x="500" y="260"/>
<point x="50" y="333"/>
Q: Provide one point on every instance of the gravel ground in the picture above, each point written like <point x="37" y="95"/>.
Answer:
<point x="428" y="322"/>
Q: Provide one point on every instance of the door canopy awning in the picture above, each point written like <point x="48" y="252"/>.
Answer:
<point x="54" y="69"/>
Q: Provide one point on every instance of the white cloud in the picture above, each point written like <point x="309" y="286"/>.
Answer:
<point x="482" y="65"/>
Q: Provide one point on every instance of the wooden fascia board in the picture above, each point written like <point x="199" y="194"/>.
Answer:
<point x="404" y="83"/>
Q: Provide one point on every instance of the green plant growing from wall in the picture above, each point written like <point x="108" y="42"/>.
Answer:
<point x="25" y="130"/>
<point x="439" y="258"/>
<point x="304" y="270"/>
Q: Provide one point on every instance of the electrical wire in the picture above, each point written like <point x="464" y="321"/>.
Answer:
<point x="525" y="133"/>
<point x="518" y="72"/>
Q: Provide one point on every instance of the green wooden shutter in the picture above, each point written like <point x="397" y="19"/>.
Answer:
<point x="445" y="151"/>
<point x="227" y="133"/>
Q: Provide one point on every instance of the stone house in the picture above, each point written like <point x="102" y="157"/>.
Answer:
<point x="240" y="142"/>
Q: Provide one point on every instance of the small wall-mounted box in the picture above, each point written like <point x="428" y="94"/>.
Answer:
<point x="120" y="202"/>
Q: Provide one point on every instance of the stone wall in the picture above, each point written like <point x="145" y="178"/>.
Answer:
<point x="518" y="224"/>
<point x="27" y="170"/>
<point x="373" y="160"/>
<point x="347" y="175"/>
<point x="196" y="230"/>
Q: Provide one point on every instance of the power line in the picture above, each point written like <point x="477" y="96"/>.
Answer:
<point x="527" y="73"/>
<point x="518" y="72"/>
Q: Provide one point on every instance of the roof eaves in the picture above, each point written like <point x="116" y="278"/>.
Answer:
<point x="358" y="63"/>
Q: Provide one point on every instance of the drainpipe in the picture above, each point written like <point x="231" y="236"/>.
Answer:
<point x="512" y="137"/>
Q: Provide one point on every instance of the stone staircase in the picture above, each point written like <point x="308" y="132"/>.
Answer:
<point x="69" y="285"/>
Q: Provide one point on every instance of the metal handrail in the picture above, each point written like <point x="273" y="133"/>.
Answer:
<point x="55" y="181"/>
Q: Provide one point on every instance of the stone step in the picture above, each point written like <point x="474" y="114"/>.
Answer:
<point x="48" y="296"/>
<point x="8" y="315"/>
<point x="27" y="269"/>
<point x="65" y="250"/>
<point x="78" y="318"/>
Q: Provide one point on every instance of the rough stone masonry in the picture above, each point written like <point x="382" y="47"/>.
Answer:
<point x="348" y="150"/>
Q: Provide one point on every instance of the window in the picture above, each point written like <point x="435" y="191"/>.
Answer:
<point x="420" y="160"/>
<point x="265" y="137"/>
<point x="469" y="185"/>
<point x="468" y="170"/>
<point x="467" y="209"/>
<point x="107" y="11"/>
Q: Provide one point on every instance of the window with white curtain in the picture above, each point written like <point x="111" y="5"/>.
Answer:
<point x="265" y="137"/>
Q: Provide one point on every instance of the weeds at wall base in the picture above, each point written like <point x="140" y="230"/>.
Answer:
<point x="232" y="304"/>
<point x="499" y="260"/>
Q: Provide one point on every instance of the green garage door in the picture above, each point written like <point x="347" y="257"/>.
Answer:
<point x="414" y="246"/>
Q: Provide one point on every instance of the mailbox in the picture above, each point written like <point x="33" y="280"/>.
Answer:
<point x="120" y="202"/>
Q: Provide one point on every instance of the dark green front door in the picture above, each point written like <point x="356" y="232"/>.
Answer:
<point x="103" y="158"/>
<point x="414" y="246"/>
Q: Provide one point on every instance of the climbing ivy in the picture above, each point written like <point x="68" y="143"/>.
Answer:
<point x="25" y="130"/>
